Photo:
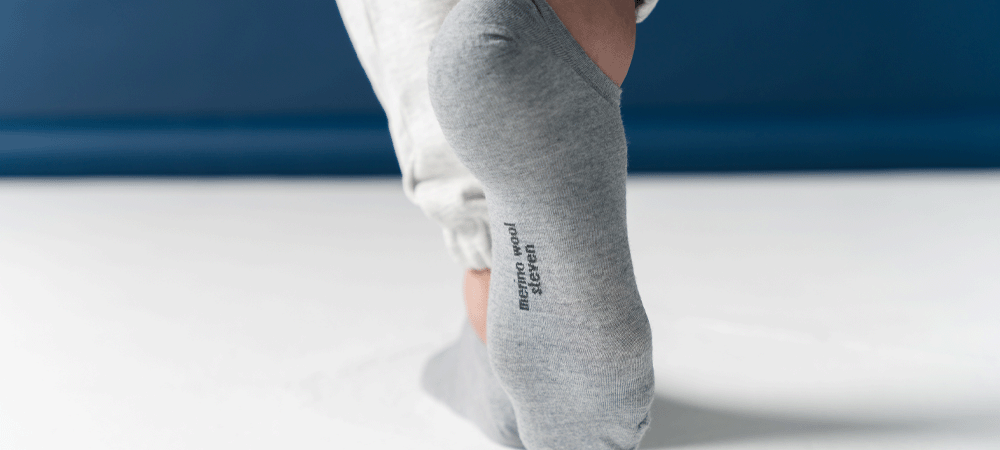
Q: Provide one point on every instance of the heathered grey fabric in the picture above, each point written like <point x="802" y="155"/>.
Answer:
<point x="461" y="377"/>
<point x="391" y="39"/>
<point x="539" y="124"/>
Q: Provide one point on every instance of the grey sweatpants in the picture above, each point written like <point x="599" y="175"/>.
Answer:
<point x="392" y="40"/>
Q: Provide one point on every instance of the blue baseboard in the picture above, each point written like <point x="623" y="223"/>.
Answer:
<point x="198" y="147"/>
<point x="198" y="152"/>
<point x="813" y="144"/>
<point x="362" y="147"/>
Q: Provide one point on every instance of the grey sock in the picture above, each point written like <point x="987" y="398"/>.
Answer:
<point x="534" y="119"/>
<point x="460" y="376"/>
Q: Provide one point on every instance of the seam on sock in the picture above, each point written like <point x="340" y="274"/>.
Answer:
<point x="561" y="41"/>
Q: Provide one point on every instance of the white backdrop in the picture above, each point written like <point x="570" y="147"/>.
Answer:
<point x="823" y="312"/>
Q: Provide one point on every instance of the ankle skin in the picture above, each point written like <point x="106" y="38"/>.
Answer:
<point x="477" y="290"/>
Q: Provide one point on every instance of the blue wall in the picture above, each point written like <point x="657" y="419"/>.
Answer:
<point x="226" y="87"/>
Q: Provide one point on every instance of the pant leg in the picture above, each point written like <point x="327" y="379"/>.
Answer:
<point x="643" y="8"/>
<point x="392" y="40"/>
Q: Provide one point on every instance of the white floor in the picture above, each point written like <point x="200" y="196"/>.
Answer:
<point x="792" y="312"/>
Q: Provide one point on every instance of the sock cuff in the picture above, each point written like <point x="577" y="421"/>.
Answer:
<point x="557" y="37"/>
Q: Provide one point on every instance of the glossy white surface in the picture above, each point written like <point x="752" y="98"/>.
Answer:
<point x="788" y="312"/>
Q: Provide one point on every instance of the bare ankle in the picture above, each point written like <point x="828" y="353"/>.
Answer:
<point x="477" y="290"/>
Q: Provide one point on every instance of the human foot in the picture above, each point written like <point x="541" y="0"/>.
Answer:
<point x="460" y="376"/>
<point x="531" y="115"/>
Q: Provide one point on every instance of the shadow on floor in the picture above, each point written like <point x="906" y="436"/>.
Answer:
<point x="676" y="424"/>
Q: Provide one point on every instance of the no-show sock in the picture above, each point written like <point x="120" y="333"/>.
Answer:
<point x="460" y="376"/>
<point x="535" y="119"/>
